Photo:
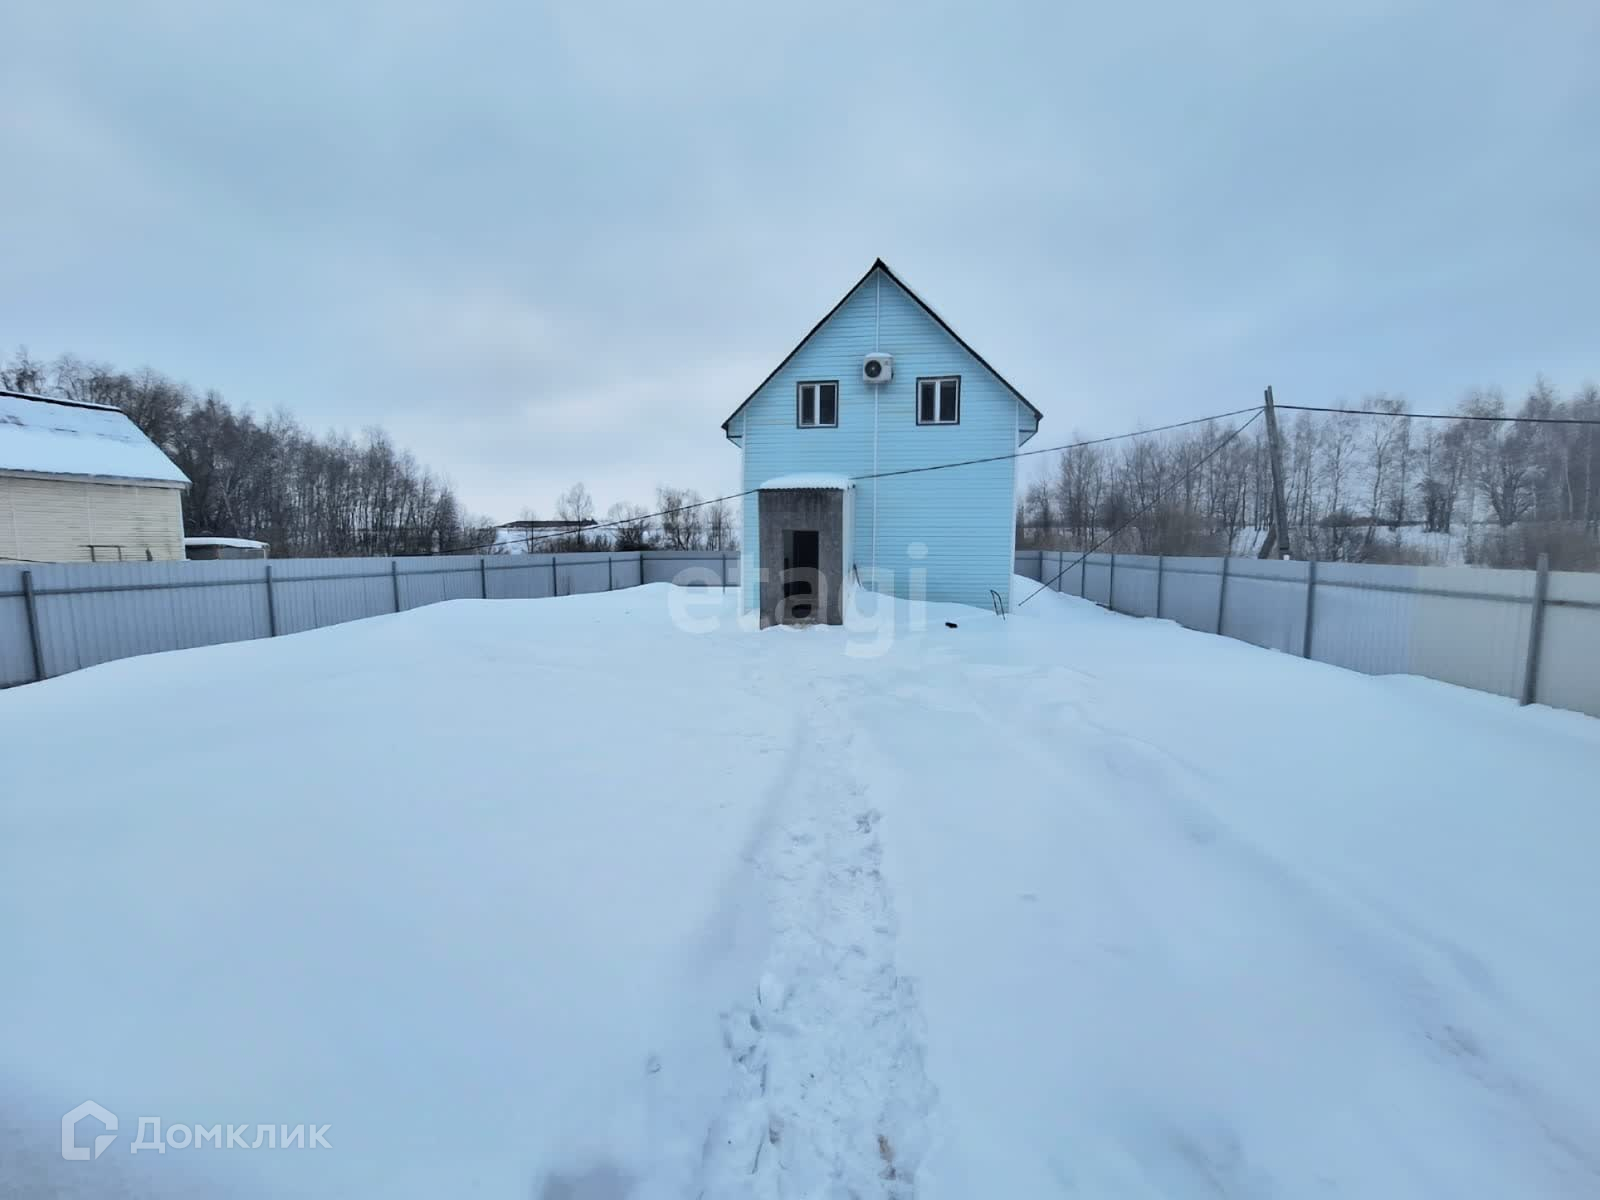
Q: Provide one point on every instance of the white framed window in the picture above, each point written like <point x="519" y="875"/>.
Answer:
<point x="816" y="404"/>
<point x="939" y="400"/>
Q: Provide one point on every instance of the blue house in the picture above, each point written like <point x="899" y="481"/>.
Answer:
<point x="836" y="443"/>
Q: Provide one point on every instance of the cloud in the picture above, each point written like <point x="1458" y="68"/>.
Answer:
<point x="547" y="244"/>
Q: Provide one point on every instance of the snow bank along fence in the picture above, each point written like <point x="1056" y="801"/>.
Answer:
<point x="1530" y="635"/>
<point x="59" y="617"/>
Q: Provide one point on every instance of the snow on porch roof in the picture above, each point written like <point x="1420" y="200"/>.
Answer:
<point x="794" y="483"/>
<point x="49" y="436"/>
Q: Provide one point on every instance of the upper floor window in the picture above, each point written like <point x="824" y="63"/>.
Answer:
<point x="939" y="401"/>
<point x="817" y="405"/>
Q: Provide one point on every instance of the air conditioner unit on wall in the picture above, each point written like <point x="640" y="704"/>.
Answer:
<point x="877" y="368"/>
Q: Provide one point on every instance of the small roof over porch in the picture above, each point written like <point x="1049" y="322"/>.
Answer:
<point x="805" y="482"/>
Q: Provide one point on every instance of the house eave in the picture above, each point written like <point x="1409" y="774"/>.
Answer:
<point x="69" y="477"/>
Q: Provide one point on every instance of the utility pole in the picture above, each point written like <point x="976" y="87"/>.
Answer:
<point x="1278" y="536"/>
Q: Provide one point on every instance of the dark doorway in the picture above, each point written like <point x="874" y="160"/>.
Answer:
<point x="802" y="558"/>
<point x="800" y="573"/>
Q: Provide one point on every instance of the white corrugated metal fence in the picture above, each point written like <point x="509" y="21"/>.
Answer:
<point x="60" y="617"/>
<point x="1486" y="629"/>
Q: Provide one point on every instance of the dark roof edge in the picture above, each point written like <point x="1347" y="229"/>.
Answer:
<point x="961" y="341"/>
<point x="879" y="265"/>
<point x="64" y="401"/>
<point x="810" y="333"/>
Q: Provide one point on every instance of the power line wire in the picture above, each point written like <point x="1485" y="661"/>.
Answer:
<point x="1207" y="457"/>
<point x="1254" y="410"/>
<point x="1100" y="441"/>
<point x="1373" y="412"/>
<point x="531" y="540"/>
<point x="588" y="529"/>
<point x="965" y="462"/>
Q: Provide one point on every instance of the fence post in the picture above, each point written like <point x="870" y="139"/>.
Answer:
<point x="1222" y="593"/>
<point x="1083" y="575"/>
<point x="272" y="606"/>
<point x="483" y="577"/>
<point x="724" y="559"/>
<point x="1311" y="606"/>
<point x="555" y="589"/>
<point x="1161" y="578"/>
<point x="1541" y="589"/>
<point x="1111" y="584"/>
<point x="394" y="575"/>
<point x="609" y="576"/>
<point x="641" y="568"/>
<point x="31" y="603"/>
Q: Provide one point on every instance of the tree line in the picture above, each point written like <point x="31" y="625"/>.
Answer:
<point x="333" y="495"/>
<point x="1391" y="488"/>
<point x="269" y="478"/>
<point x="1492" y="491"/>
<point x="681" y="520"/>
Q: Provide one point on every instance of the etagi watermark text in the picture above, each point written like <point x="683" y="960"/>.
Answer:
<point x="152" y="1136"/>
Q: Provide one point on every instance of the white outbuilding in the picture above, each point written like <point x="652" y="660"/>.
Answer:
<point x="81" y="483"/>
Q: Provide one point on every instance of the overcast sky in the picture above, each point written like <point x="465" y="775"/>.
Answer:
<point x="542" y="245"/>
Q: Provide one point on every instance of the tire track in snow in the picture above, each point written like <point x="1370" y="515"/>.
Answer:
<point x="829" y="1094"/>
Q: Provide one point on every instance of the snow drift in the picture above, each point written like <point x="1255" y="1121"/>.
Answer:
<point x="612" y="896"/>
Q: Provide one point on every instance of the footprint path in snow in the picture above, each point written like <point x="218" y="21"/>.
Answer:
<point x="829" y="1096"/>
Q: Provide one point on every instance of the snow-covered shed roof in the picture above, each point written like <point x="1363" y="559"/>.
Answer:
<point x="805" y="482"/>
<point x="44" y="435"/>
<point x="231" y="543"/>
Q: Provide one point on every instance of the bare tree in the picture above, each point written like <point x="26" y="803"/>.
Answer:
<point x="683" y="520"/>
<point x="270" y="479"/>
<point x="24" y="373"/>
<point x="575" y="506"/>
<point x="1506" y="490"/>
<point x="1345" y="477"/>
<point x="1383" y="446"/>
<point x="630" y="526"/>
<point x="721" y="526"/>
<point x="1440" y="484"/>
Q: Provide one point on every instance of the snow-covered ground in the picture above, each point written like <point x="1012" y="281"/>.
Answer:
<point x="606" y="897"/>
<point x="1411" y="541"/>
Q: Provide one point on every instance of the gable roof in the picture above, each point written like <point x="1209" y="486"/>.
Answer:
<point x="879" y="265"/>
<point x="46" y="435"/>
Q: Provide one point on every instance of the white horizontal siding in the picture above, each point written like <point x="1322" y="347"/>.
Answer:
<point x="56" y="520"/>
<point x="945" y="535"/>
